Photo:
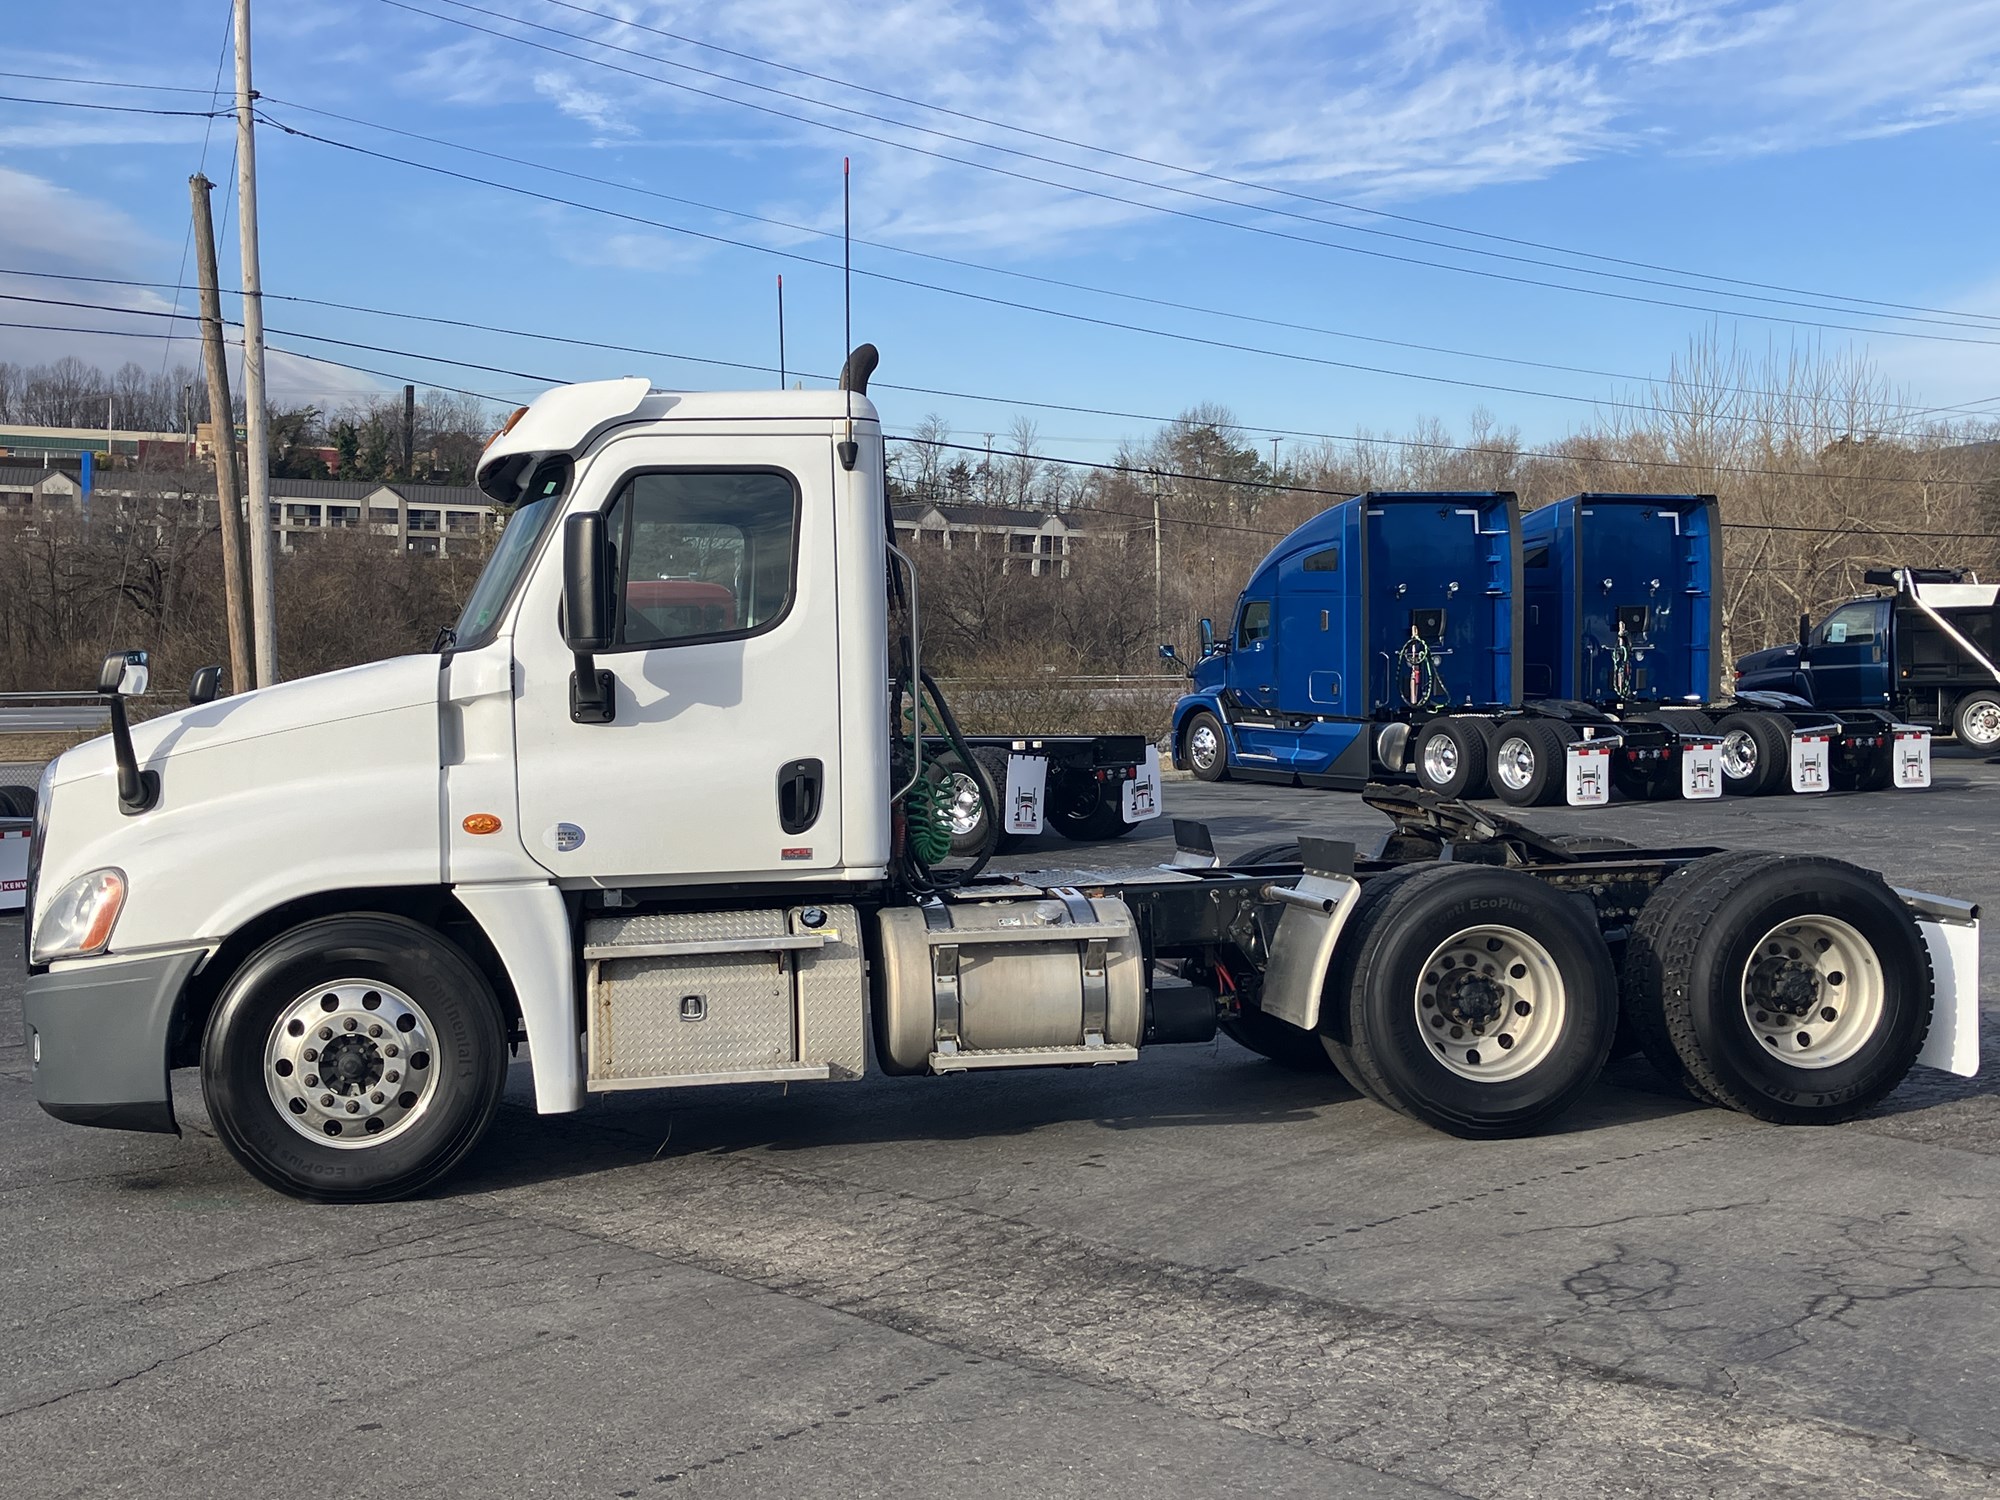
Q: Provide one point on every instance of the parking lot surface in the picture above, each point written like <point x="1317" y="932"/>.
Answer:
<point x="1199" y="1274"/>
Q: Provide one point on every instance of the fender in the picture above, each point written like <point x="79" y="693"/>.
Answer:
<point x="1187" y="705"/>
<point x="528" y="926"/>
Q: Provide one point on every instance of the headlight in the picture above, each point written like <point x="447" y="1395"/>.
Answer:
<point x="80" y="918"/>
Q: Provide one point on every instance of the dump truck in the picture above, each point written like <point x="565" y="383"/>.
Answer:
<point x="1923" y="651"/>
<point x="668" y="852"/>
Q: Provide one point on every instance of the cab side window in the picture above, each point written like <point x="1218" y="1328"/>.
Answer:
<point x="702" y="556"/>
<point x="1254" y="624"/>
<point x="1850" y="625"/>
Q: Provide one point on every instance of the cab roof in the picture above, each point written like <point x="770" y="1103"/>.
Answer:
<point x="568" y="418"/>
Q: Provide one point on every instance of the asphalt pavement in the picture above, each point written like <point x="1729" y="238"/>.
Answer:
<point x="1196" y="1275"/>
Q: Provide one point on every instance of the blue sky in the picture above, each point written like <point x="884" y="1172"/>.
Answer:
<point x="1840" y="147"/>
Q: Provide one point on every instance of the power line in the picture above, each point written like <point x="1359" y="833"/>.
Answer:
<point x="116" y="109"/>
<point x="1117" y="198"/>
<point x="1018" y="402"/>
<point x="986" y="298"/>
<point x="1262" y="187"/>
<point x="1011" y="272"/>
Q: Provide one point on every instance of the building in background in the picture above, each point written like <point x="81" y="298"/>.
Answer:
<point x="1039" y="540"/>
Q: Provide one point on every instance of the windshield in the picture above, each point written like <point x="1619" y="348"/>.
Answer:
<point x="541" y="503"/>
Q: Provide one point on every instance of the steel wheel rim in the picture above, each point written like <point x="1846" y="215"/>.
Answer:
<point x="351" y="1064"/>
<point x="1514" y="763"/>
<point x="1202" y="746"/>
<point x="1492" y="1003"/>
<point x="1982" y="725"/>
<point x="1739" y="754"/>
<point x="1813" y="992"/>
<point x="966" y="805"/>
<point x="1440" y="759"/>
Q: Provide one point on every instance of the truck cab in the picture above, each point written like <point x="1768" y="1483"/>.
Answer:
<point x="1380" y="613"/>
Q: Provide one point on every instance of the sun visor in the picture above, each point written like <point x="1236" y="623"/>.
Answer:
<point x="562" y="420"/>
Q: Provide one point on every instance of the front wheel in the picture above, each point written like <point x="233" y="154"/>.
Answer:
<point x="1205" y="747"/>
<point x="354" y="1059"/>
<point x="1477" y="1000"/>
<point x="1976" y="721"/>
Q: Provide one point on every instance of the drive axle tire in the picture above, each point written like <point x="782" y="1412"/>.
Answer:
<point x="17" y="802"/>
<point x="1528" y="756"/>
<point x="1793" y="988"/>
<point x="1756" y="753"/>
<point x="1477" y="1000"/>
<point x="1976" y="721"/>
<point x="1205" y="747"/>
<point x="354" y="1059"/>
<point x="1283" y="1043"/>
<point x="1451" y="758"/>
<point x="1088" y="810"/>
<point x="974" y="794"/>
<point x="1653" y="781"/>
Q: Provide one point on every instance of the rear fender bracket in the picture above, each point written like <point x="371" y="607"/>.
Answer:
<point x="1316" y="910"/>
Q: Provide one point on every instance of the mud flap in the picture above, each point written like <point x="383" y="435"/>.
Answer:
<point x="1951" y="932"/>
<point x="1910" y="752"/>
<point x="1701" y="766"/>
<point x="1142" y="792"/>
<point x="1587" y="765"/>
<point x="1811" y="760"/>
<point x="1026" y="791"/>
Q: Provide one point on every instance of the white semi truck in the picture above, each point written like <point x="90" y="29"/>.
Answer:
<point x="667" y="844"/>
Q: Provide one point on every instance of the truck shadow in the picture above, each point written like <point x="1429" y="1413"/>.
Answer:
<point x="1218" y="1089"/>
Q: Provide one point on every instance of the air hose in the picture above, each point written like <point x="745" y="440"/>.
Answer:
<point x="1423" y="684"/>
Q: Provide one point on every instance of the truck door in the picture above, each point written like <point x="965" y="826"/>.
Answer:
<point x="1253" y="661"/>
<point x="1849" y="660"/>
<point x="723" y="755"/>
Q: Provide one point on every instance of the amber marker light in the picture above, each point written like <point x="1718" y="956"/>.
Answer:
<point x="519" y="412"/>
<point x="480" y="823"/>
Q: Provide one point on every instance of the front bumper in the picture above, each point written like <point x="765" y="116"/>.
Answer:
<point x="98" y="1034"/>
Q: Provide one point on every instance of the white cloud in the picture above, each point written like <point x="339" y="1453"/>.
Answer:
<point x="44" y="226"/>
<point x="593" y="107"/>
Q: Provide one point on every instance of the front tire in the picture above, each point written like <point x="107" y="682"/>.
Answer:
<point x="1476" y="1000"/>
<point x="1205" y="747"/>
<point x="1976" y="721"/>
<point x="1793" y="988"/>
<point x="354" y="1059"/>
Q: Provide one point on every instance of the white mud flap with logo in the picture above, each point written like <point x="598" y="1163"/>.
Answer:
<point x="1812" y="760"/>
<point x="1027" y="789"/>
<point x="1701" y="766"/>
<point x="1910" y="752"/>
<point x="1589" y="771"/>
<point x="13" y="866"/>
<point x="1142" y="792"/>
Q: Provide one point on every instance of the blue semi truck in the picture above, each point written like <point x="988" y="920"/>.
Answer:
<point x="1480" y="646"/>
<point x="1387" y="622"/>
<point x="1926" y="651"/>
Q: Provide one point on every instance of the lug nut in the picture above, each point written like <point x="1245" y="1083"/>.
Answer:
<point x="350" y="1024"/>
<point x="375" y="1098"/>
<point x="326" y="1033"/>
<point x="312" y="1080"/>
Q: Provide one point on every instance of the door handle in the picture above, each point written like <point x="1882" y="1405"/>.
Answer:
<point x="801" y="785"/>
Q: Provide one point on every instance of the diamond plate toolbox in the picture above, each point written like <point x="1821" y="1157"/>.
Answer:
<point x="702" y="996"/>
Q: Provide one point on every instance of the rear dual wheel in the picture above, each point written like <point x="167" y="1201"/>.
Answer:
<point x="1479" y="1001"/>
<point x="1451" y="757"/>
<point x="1528" y="756"/>
<point x="1796" y="989"/>
<point x="1756" y="753"/>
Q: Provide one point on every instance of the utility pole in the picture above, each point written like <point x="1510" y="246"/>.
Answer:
<point x="256" y="414"/>
<point x="1274" y="457"/>
<point x="409" y="432"/>
<point x="222" y="426"/>
<point x="1159" y="614"/>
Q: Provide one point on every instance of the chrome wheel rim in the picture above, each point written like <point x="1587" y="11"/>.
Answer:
<point x="351" y="1064"/>
<point x="1739" y="754"/>
<point x="1982" y="724"/>
<point x="1440" y="759"/>
<point x="1202" y="746"/>
<point x="1492" y="1003"/>
<point x="1514" y="763"/>
<point x="966" y="805"/>
<point x="1813" y="992"/>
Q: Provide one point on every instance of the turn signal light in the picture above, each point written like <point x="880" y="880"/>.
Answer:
<point x="507" y="427"/>
<point x="480" y="823"/>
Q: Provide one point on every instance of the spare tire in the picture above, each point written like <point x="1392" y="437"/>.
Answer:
<point x="1794" y="988"/>
<point x="1478" y="1000"/>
